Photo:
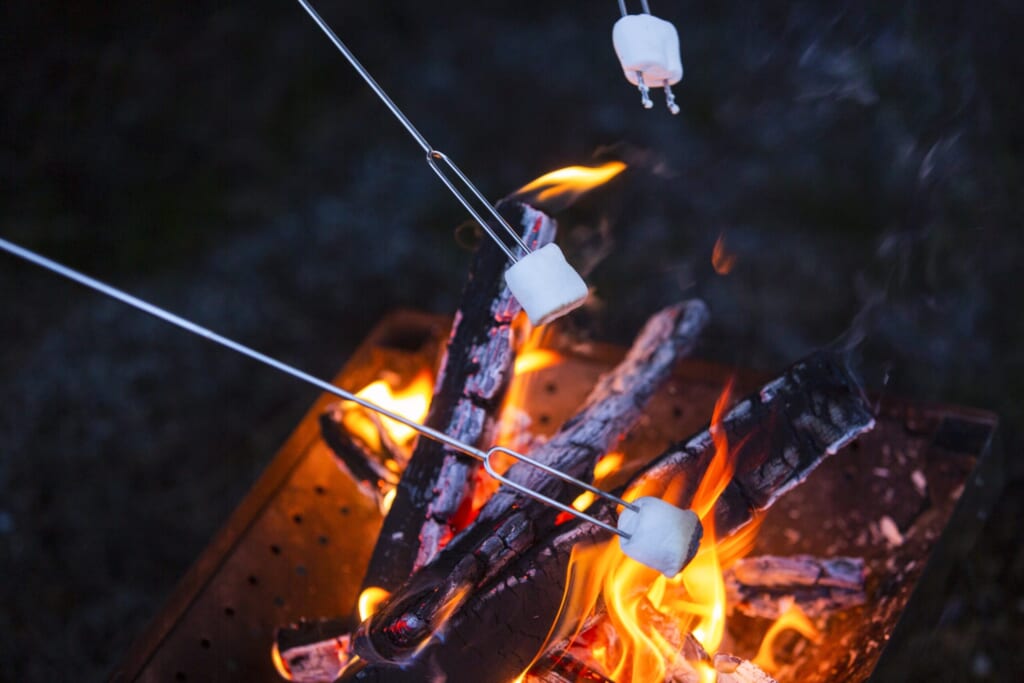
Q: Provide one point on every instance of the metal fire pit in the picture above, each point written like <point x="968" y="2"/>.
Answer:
<point x="299" y="543"/>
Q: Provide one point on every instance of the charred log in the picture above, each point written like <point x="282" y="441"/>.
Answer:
<point x="373" y="476"/>
<point x="778" y="434"/>
<point x="564" y="668"/>
<point x="510" y="522"/>
<point x="764" y="586"/>
<point x="733" y="669"/>
<point x="682" y="655"/>
<point x="312" y="651"/>
<point x="471" y="382"/>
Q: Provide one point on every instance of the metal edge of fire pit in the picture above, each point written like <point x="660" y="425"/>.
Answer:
<point x="392" y="331"/>
<point x="211" y="578"/>
<point x="976" y="433"/>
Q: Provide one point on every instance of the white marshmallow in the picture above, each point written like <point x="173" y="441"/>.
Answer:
<point x="545" y="284"/>
<point x="649" y="45"/>
<point x="662" y="536"/>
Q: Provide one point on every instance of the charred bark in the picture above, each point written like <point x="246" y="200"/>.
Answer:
<point x="573" y="657"/>
<point x="778" y="434"/>
<point x="352" y="456"/>
<point x="510" y="522"/>
<point x="313" y="651"/>
<point x="468" y="391"/>
<point x="763" y="586"/>
<point x="733" y="669"/>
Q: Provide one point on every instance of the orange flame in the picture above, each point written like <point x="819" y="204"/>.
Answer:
<point x="722" y="260"/>
<point x="607" y="466"/>
<point x="531" y="357"/>
<point x="411" y="401"/>
<point x="642" y="644"/>
<point x="794" y="619"/>
<point x="537" y="359"/>
<point x="282" y="666"/>
<point x="570" y="182"/>
<point x="370" y="599"/>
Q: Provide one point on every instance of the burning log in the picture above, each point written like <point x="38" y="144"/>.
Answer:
<point x="563" y="667"/>
<point x="764" y="586"/>
<point x="732" y="669"/>
<point x="373" y="476"/>
<point x="572" y="657"/>
<point x="311" y="650"/>
<point x="468" y="391"/>
<point x="471" y="382"/>
<point x="779" y="434"/>
<point x="510" y="522"/>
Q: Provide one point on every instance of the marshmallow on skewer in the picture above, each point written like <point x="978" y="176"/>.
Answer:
<point x="648" y="49"/>
<point x="545" y="284"/>
<point x="661" y="536"/>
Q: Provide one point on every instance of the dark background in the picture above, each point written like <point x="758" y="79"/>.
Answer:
<point x="862" y="160"/>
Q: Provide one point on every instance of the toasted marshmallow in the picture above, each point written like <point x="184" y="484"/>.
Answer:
<point x="648" y="45"/>
<point x="545" y="284"/>
<point x="661" y="536"/>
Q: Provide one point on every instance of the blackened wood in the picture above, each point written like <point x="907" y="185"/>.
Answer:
<point x="812" y="409"/>
<point x="564" y="668"/>
<point x="351" y="455"/>
<point x="571" y="657"/>
<point x="763" y="586"/>
<point x="611" y="409"/>
<point x="471" y="382"/>
<point x="510" y="522"/>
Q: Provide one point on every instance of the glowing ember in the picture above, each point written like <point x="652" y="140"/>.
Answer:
<point x="570" y="182"/>
<point x="722" y="260"/>
<point x="370" y="599"/>
<point x="410" y="401"/>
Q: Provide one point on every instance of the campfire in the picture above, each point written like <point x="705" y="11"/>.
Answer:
<point x="454" y="544"/>
<point x="398" y="558"/>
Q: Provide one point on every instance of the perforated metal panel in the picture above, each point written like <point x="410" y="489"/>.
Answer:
<point x="299" y="543"/>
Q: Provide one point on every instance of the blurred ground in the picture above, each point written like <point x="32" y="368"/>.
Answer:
<point x="863" y="163"/>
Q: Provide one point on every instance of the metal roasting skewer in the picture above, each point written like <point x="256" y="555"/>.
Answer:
<point x="189" y="326"/>
<point x="434" y="156"/>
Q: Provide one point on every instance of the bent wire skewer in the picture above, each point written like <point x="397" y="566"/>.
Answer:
<point x="194" y="328"/>
<point x="433" y="155"/>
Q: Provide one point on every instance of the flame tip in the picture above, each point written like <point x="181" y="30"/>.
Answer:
<point x="571" y="181"/>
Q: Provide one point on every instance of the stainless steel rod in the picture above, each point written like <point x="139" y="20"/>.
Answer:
<point x="189" y="326"/>
<point x="192" y="327"/>
<point x="428" y="149"/>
